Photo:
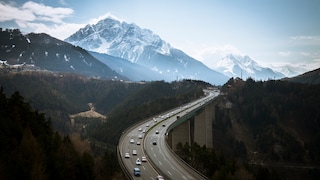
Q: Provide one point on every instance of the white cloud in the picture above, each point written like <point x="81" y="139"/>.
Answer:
<point x="31" y="11"/>
<point x="47" y="13"/>
<point x="60" y="31"/>
<point x="8" y="13"/>
<point x="39" y="18"/>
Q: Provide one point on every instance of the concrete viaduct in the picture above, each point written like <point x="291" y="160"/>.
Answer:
<point x="195" y="126"/>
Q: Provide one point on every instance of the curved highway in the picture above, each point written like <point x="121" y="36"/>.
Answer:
<point x="148" y="139"/>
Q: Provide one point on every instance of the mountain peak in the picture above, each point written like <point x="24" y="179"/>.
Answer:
<point x="111" y="36"/>
<point x="243" y="66"/>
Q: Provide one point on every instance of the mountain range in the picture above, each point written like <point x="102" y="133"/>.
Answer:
<point x="142" y="47"/>
<point x="244" y="67"/>
<point x="114" y="49"/>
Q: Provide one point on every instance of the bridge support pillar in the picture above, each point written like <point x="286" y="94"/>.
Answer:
<point x="181" y="134"/>
<point x="203" y="125"/>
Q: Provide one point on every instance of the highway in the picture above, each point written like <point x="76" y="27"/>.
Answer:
<point x="151" y="134"/>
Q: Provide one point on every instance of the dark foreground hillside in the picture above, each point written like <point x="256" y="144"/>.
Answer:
<point x="30" y="149"/>
<point x="272" y="127"/>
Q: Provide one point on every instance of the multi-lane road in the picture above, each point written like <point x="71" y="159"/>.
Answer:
<point x="148" y="139"/>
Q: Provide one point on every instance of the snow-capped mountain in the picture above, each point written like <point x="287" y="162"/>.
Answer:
<point x="244" y="67"/>
<point x="143" y="47"/>
<point x="41" y="51"/>
<point x="291" y="70"/>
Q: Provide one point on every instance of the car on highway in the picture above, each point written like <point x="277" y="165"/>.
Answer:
<point x="127" y="155"/>
<point x="157" y="132"/>
<point x="163" y="125"/>
<point x="160" y="177"/>
<point x="136" y="171"/>
<point x="143" y="159"/>
<point x="140" y="136"/>
<point x="134" y="152"/>
<point x="132" y="141"/>
<point x="147" y="125"/>
<point x="138" y="142"/>
<point x="154" y="142"/>
<point x="140" y="129"/>
<point x="138" y="162"/>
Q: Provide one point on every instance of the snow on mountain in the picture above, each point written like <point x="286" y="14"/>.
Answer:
<point x="291" y="70"/>
<point x="143" y="47"/>
<point x="41" y="51"/>
<point x="244" y="67"/>
<point x="120" y="39"/>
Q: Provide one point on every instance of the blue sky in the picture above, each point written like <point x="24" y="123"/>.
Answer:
<point x="272" y="32"/>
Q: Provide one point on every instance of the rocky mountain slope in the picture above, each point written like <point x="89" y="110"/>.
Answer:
<point x="43" y="52"/>
<point x="143" y="47"/>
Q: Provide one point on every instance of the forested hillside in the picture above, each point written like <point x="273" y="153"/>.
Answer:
<point x="30" y="149"/>
<point x="274" y="123"/>
<point x="311" y="77"/>
<point x="59" y="95"/>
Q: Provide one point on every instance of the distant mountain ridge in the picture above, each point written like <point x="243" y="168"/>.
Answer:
<point x="47" y="53"/>
<point x="143" y="47"/>
<point x="244" y="67"/>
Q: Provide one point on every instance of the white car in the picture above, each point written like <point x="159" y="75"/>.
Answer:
<point x="140" y="129"/>
<point x="134" y="152"/>
<point x="140" y="136"/>
<point x="127" y="155"/>
<point x="138" y="143"/>
<point x="132" y="141"/>
<point x="143" y="159"/>
<point x="157" y="132"/>
<point x="138" y="162"/>
<point x="160" y="177"/>
<point x="147" y="125"/>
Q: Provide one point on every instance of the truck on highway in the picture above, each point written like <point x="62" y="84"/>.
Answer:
<point x="136" y="171"/>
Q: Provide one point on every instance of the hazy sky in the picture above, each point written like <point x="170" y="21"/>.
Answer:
<point x="269" y="31"/>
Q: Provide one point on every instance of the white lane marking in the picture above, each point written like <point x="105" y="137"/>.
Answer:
<point x="154" y="155"/>
<point x="143" y="167"/>
<point x="160" y="163"/>
<point x="173" y="167"/>
<point x="169" y="173"/>
<point x="184" y="177"/>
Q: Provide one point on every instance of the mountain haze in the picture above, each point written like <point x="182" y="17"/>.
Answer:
<point x="133" y="71"/>
<point x="143" y="47"/>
